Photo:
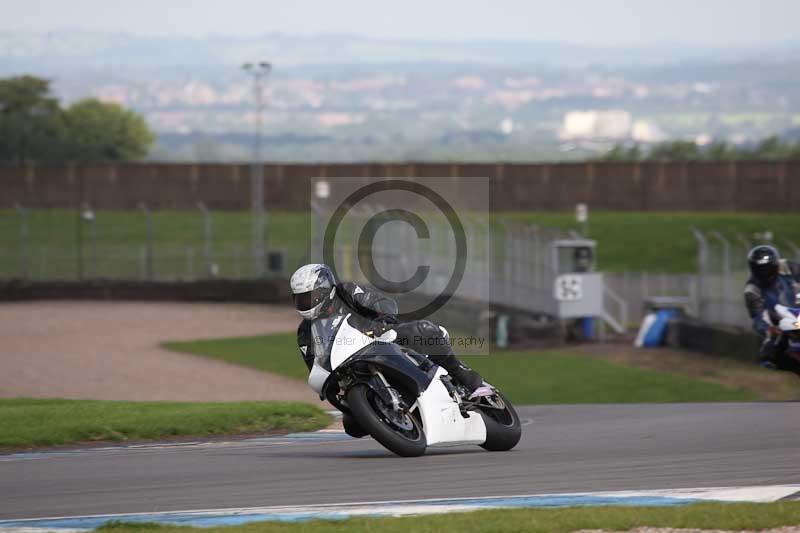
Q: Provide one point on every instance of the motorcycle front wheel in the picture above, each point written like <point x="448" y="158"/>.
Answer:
<point x="400" y="433"/>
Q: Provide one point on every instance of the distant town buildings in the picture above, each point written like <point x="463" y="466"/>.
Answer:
<point x="608" y="126"/>
<point x="596" y="125"/>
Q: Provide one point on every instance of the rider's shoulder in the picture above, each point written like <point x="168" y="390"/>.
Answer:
<point x="351" y="290"/>
<point x="752" y="289"/>
<point x="346" y="286"/>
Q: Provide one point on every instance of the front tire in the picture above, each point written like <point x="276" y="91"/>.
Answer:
<point x="352" y="427"/>
<point x="406" y="443"/>
<point x="503" y="428"/>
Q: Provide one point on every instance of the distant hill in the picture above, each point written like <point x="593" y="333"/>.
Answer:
<point x="345" y="97"/>
<point x="66" y="49"/>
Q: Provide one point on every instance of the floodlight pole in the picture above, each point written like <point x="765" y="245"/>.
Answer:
<point x="258" y="71"/>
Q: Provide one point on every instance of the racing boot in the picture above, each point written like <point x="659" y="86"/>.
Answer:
<point x="463" y="374"/>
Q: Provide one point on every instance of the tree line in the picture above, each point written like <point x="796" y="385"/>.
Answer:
<point x="35" y="128"/>
<point x="770" y="148"/>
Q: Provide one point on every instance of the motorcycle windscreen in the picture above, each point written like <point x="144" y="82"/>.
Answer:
<point x="335" y="340"/>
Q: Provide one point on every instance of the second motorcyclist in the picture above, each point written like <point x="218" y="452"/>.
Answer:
<point x="772" y="281"/>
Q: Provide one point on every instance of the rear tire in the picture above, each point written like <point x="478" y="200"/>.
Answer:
<point x="503" y="428"/>
<point x="361" y="400"/>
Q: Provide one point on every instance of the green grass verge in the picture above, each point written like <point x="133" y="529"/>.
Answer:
<point x="731" y="516"/>
<point x="628" y="241"/>
<point x="277" y="354"/>
<point x="662" y="242"/>
<point x="32" y="422"/>
<point x="559" y="377"/>
<point x="527" y="378"/>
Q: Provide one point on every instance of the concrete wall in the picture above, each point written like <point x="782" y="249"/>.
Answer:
<point x="727" y="186"/>
<point x="719" y="341"/>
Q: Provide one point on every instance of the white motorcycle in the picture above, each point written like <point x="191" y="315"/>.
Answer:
<point x="400" y="397"/>
<point x="787" y="320"/>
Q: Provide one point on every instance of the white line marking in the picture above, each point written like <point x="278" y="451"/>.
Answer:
<point x="312" y="437"/>
<point x="423" y="506"/>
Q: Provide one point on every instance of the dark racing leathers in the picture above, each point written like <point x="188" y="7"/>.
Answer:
<point x="373" y="313"/>
<point x="761" y="302"/>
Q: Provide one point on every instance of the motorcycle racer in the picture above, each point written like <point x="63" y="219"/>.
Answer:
<point x="316" y="293"/>
<point x="773" y="281"/>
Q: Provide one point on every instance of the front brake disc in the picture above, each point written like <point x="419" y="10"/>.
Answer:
<point x="400" y="419"/>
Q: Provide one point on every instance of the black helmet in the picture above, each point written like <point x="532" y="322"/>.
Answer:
<point x="764" y="262"/>
<point x="312" y="286"/>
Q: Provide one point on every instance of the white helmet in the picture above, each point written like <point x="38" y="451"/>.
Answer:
<point x="312" y="287"/>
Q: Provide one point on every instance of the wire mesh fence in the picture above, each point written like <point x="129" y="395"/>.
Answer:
<point x="639" y="289"/>
<point x="723" y="273"/>
<point x="522" y="273"/>
<point x="508" y="263"/>
<point x="57" y="244"/>
<point x="139" y="262"/>
<point x="505" y="263"/>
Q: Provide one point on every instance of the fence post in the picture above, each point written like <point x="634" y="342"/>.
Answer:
<point x="508" y="258"/>
<point x="149" y="243"/>
<point x="79" y="244"/>
<point x="88" y="216"/>
<point x="726" y="271"/>
<point x="691" y="286"/>
<point x="745" y="242"/>
<point x="487" y="250"/>
<point x="794" y="248"/>
<point x="24" y="240"/>
<point x="143" y="262"/>
<point x="42" y="262"/>
<point x="190" y="262"/>
<point x="258" y="215"/>
<point x="208" y="251"/>
<point x="702" y="267"/>
<point x="237" y="271"/>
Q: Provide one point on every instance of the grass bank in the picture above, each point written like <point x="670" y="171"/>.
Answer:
<point x="662" y="241"/>
<point x="31" y="422"/>
<point x="526" y="377"/>
<point x="732" y="516"/>
<point x="627" y="241"/>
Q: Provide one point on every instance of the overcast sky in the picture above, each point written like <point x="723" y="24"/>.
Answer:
<point x="605" y="22"/>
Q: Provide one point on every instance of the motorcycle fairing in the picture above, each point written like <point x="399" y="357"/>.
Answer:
<point x="442" y="420"/>
<point x="339" y="346"/>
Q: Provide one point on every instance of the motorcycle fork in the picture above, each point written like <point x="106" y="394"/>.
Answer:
<point x="386" y="392"/>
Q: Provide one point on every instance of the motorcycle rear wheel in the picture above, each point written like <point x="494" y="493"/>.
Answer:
<point x="406" y="443"/>
<point x="503" y="428"/>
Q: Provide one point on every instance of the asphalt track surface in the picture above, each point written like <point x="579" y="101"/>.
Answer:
<point x="564" y="449"/>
